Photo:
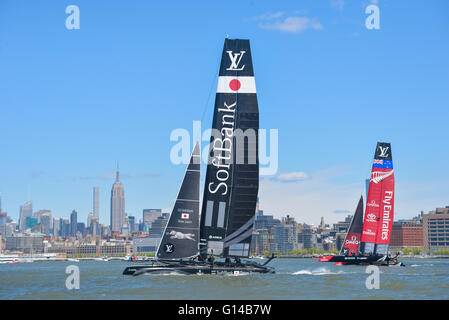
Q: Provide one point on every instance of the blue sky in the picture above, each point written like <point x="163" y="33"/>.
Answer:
<point x="74" y="102"/>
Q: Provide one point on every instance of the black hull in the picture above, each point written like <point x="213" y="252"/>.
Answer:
<point x="197" y="268"/>
<point x="379" y="260"/>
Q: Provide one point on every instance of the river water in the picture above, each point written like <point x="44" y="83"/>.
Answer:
<point x="294" y="279"/>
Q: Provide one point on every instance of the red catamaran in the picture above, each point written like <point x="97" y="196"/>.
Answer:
<point x="368" y="242"/>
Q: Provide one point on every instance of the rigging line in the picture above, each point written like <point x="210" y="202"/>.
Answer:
<point x="214" y="79"/>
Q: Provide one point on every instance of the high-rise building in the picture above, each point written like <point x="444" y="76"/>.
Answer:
<point x="150" y="215"/>
<point x="45" y="221"/>
<point x="26" y="210"/>
<point x="40" y="213"/>
<point x="286" y="235"/>
<point x="96" y="202"/>
<point x="265" y="222"/>
<point x="117" y="204"/>
<point x="158" y="226"/>
<point x="3" y="223"/>
<point x="132" y="224"/>
<point x="73" y="223"/>
<point x="90" y="217"/>
<point x="80" y="227"/>
<point x="94" y="227"/>
<point x="307" y="238"/>
<point x="56" y="227"/>
<point x="30" y="222"/>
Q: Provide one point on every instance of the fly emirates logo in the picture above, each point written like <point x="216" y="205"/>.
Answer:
<point x="386" y="214"/>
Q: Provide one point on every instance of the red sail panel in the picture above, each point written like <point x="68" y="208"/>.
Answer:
<point x="381" y="182"/>
<point x="386" y="212"/>
<point x="353" y="237"/>
<point x="351" y="244"/>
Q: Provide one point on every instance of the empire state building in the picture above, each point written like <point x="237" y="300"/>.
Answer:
<point x="117" y="204"/>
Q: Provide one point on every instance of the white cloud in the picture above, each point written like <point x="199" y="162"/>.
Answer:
<point x="310" y="199"/>
<point x="270" y="16"/>
<point x="292" y="177"/>
<point x="342" y="211"/>
<point x="293" y="24"/>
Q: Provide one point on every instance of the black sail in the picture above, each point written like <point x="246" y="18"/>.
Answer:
<point x="354" y="234"/>
<point x="181" y="235"/>
<point x="232" y="177"/>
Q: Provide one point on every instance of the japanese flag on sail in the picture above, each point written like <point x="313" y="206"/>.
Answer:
<point x="184" y="216"/>
<point x="227" y="84"/>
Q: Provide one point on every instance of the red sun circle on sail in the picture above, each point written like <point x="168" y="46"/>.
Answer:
<point x="234" y="84"/>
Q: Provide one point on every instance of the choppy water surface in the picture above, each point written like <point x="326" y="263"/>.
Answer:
<point x="294" y="279"/>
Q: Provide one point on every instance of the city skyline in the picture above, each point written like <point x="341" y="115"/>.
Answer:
<point x="341" y="87"/>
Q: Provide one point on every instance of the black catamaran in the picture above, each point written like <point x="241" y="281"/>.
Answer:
<point x="190" y="245"/>
<point x="368" y="239"/>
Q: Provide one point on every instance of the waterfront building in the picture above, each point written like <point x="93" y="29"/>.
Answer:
<point x="26" y="210"/>
<point x="109" y="249"/>
<point x="436" y="229"/>
<point x="262" y="240"/>
<point x="26" y="243"/>
<point x="117" y="204"/>
<point x="96" y="202"/>
<point x="73" y="223"/>
<point x="145" y="244"/>
<point x="407" y="234"/>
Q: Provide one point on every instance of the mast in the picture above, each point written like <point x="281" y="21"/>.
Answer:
<point x="352" y="239"/>
<point x="232" y="177"/>
<point x="181" y="235"/>
<point x="378" y="220"/>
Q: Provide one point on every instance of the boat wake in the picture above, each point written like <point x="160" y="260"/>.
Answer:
<point x="317" y="272"/>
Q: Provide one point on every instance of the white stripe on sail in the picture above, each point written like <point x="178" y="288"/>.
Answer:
<point x="228" y="84"/>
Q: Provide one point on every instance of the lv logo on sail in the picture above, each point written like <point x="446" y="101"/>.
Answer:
<point x="234" y="62"/>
